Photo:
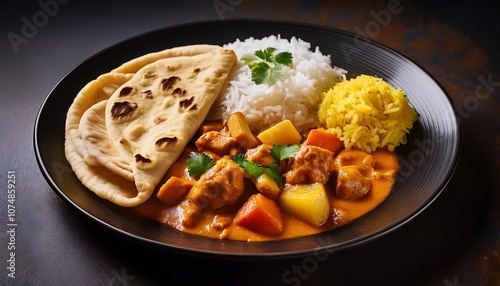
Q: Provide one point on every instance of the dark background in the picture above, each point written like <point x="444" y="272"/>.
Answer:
<point x="455" y="241"/>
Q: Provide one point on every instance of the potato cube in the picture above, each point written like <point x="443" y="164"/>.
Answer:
<point x="307" y="202"/>
<point x="267" y="186"/>
<point x="283" y="133"/>
<point x="239" y="129"/>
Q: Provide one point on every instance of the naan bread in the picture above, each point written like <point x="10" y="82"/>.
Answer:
<point x="102" y="181"/>
<point x="89" y="135"/>
<point x="95" y="177"/>
<point x="151" y="118"/>
<point x="98" y="90"/>
<point x="106" y="168"/>
<point x="98" y="146"/>
<point x="136" y="64"/>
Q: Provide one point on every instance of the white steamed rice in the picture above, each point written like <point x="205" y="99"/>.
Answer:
<point x="295" y="97"/>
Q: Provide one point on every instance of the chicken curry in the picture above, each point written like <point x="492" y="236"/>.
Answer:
<point x="230" y="184"/>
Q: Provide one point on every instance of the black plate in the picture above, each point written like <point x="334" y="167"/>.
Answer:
<point x="427" y="161"/>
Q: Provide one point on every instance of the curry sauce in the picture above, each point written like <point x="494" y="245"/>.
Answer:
<point x="379" y="168"/>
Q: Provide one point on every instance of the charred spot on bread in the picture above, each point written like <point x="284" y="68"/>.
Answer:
<point x="123" y="109"/>
<point x="179" y="92"/>
<point x="142" y="159"/>
<point x="169" y="82"/>
<point x="159" y="120"/>
<point x="149" y="74"/>
<point x="126" y="91"/>
<point x="166" y="141"/>
<point x="186" y="102"/>
<point x="148" y="93"/>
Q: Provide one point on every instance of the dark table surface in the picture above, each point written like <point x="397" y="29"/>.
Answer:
<point x="455" y="241"/>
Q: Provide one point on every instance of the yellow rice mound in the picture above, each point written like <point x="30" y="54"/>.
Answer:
<point x="367" y="113"/>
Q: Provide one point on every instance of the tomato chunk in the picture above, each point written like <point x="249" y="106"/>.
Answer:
<point x="260" y="214"/>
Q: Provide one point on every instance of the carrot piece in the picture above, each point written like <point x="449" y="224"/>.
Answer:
<point x="324" y="139"/>
<point x="173" y="190"/>
<point x="260" y="214"/>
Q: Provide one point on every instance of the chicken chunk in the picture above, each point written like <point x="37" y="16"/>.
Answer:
<point x="221" y="185"/>
<point x="354" y="172"/>
<point x="219" y="143"/>
<point x="310" y="164"/>
<point x="260" y="155"/>
<point x="351" y="183"/>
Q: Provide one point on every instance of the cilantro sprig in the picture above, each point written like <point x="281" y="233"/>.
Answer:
<point x="267" y="65"/>
<point x="279" y="153"/>
<point x="283" y="152"/>
<point x="274" y="172"/>
<point x="253" y="169"/>
<point x="199" y="164"/>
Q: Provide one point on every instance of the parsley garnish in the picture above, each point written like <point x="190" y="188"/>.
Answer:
<point x="199" y="164"/>
<point x="267" y="65"/>
<point x="283" y="152"/>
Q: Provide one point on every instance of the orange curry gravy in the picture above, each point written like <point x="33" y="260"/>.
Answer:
<point x="380" y="167"/>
